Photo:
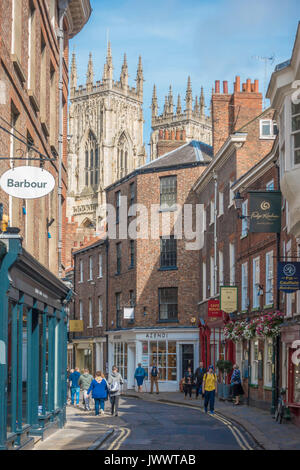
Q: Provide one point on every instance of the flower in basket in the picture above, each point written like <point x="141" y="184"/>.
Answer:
<point x="269" y="324"/>
<point x="250" y="329"/>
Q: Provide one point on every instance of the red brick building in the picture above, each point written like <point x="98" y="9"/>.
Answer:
<point x="29" y="110"/>
<point x="87" y="349"/>
<point x="242" y="136"/>
<point x="153" y="276"/>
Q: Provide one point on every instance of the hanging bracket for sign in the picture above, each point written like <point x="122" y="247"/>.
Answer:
<point x="41" y="157"/>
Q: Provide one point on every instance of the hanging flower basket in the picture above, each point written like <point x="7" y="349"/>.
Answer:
<point x="265" y="326"/>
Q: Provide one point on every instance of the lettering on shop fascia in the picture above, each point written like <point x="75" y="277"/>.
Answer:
<point x="40" y="293"/>
<point x="156" y="335"/>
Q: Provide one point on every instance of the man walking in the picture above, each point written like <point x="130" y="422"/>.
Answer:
<point x="209" y="387"/>
<point x="200" y="371"/>
<point x="75" y="388"/>
<point x="84" y="382"/>
<point x="154" y="377"/>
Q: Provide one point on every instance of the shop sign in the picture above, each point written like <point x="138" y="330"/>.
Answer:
<point x="228" y="299"/>
<point x="156" y="335"/>
<point x="265" y="211"/>
<point x="27" y="182"/>
<point x="213" y="307"/>
<point x="76" y="325"/>
<point x="288" y="277"/>
<point x="145" y="360"/>
<point x="128" y="313"/>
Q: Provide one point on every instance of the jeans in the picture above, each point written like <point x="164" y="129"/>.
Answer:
<point x="198" y="390"/>
<point x="114" y="400"/>
<point x="188" y="390"/>
<point x="75" y="390"/>
<point x="99" y="402"/>
<point x="209" y="397"/>
<point x="86" y="400"/>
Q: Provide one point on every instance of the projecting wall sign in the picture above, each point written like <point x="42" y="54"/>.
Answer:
<point x="27" y="182"/>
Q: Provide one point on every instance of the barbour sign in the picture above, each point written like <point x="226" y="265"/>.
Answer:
<point x="265" y="211"/>
<point x="27" y="182"/>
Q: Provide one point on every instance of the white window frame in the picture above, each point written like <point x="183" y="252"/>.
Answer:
<point x="80" y="310"/>
<point x="268" y="363"/>
<point x="245" y="220"/>
<point x="221" y="203"/>
<point x="90" y="313"/>
<point x="81" y="270"/>
<point x="232" y="263"/>
<point x="244" y="286"/>
<point x="254" y="362"/>
<point x="269" y="285"/>
<point x="90" y="268"/>
<point x="100" y="263"/>
<point x="272" y="123"/>
<point x="100" y="310"/>
<point x="293" y="164"/>
<point x="221" y="268"/>
<point x="204" y="285"/>
<point x="212" y="212"/>
<point x="255" y="282"/>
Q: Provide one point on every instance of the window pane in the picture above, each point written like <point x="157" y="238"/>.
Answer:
<point x="296" y="123"/>
<point x="266" y="128"/>
<point x="295" y="108"/>
<point x="168" y="190"/>
<point x="172" y="347"/>
<point x="297" y="140"/>
<point x="297" y="157"/>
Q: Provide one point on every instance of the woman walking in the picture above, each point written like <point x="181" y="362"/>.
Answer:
<point x="188" y="383"/>
<point x="236" y="384"/>
<point x="115" y="381"/>
<point x="139" y="376"/>
<point x="99" y="391"/>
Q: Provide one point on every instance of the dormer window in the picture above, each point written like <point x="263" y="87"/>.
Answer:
<point x="268" y="129"/>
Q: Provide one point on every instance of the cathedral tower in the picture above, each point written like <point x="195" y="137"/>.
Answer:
<point x="106" y="142"/>
<point x="175" y="127"/>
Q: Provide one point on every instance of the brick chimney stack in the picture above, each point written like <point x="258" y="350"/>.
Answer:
<point x="230" y="112"/>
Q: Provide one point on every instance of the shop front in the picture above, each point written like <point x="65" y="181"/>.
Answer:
<point x="172" y="350"/>
<point x="33" y="346"/>
<point x="290" y="337"/>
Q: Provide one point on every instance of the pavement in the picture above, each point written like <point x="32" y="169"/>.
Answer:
<point x="269" y="434"/>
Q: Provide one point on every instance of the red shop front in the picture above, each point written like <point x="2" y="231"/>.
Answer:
<point x="290" y="337"/>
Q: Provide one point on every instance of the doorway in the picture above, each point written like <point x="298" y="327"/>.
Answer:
<point x="187" y="358"/>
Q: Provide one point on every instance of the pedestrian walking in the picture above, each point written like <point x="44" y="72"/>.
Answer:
<point x="75" y="388"/>
<point x="69" y="372"/>
<point x="84" y="382"/>
<point x="139" y="376"/>
<point x="188" y="383"/>
<point x="236" y="384"/>
<point x="209" y="387"/>
<point x="154" y="377"/>
<point x="99" y="390"/>
<point x="115" y="381"/>
<point x="200" y="371"/>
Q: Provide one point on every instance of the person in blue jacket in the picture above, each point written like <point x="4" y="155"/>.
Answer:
<point x="74" y="385"/>
<point x="99" y="391"/>
<point x="139" y="376"/>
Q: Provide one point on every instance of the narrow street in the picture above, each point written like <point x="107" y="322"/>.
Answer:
<point x="146" y="425"/>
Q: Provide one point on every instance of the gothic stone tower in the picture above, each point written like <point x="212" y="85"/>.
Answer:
<point x="106" y="141"/>
<point x="172" y="128"/>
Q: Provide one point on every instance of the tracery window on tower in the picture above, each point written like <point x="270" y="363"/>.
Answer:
<point x="122" y="162"/>
<point x="91" y="161"/>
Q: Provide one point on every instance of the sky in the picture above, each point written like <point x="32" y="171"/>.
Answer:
<point x="206" y="39"/>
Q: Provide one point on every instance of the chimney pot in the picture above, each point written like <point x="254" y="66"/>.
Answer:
<point x="172" y="134"/>
<point x="244" y="86"/>
<point x="225" y="86"/>
<point x="248" y="85"/>
<point x="177" y="134"/>
<point x="237" y="83"/>
<point x="217" y="86"/>
<point x="166" y="134"/>
<point x="256" y="86"/>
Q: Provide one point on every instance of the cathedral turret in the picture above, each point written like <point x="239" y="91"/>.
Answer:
<point x="90" y="72"/>
<point x="196" y="106"/>
<point x="166" y="106"/>
<point x="189" y="96"/>
<point x="108" y="66"/>
<point x="73" y="75"/>
<point x="140" y="79"/>
<point x="124" y="74"/>
<point x="179" y="108"/>
<point x="170" y="100"/>
<point x="154" y="105"/>
<point x="202" y="103"/>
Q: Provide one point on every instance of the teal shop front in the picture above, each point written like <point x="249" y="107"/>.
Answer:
<point x="33" y="346"/>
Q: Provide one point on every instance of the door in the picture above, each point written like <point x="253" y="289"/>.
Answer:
<point x="187" y="357"/>
<point x="131" y="366"/>
<point x="293" y="379"/>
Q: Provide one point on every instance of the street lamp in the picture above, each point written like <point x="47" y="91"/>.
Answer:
<point x="238" y="200"/>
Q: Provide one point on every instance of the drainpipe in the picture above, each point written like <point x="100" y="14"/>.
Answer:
<point x="215" y="233"/>
<point x="63" y="5"/>
<point x="106" y="300"/>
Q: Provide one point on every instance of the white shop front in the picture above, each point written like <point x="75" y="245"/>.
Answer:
<point x="173" y="351"/>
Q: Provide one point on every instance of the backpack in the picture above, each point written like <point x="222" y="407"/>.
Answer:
<point x="154" y="371"/>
